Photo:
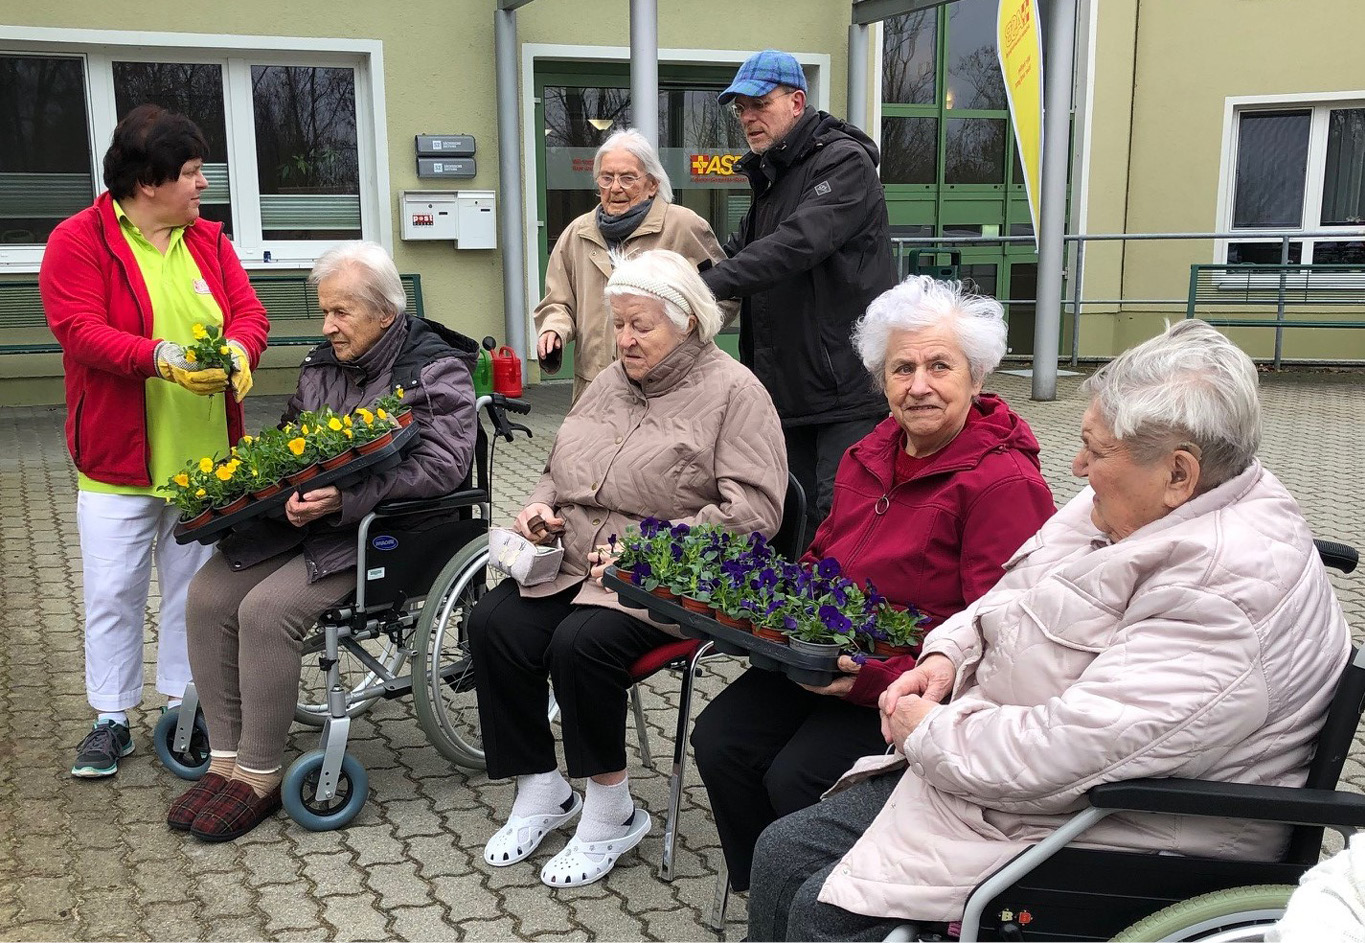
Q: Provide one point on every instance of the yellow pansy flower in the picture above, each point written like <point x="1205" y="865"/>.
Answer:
<point x="398" y="391"/>
<point x="349" y="434"/>
<point x="224" y="350"/>
<point x="247" y="439"/>
<point x="381" y="414"/>
<point x="296" y="446"/>
<point x="199" y="332"/>
<point x="182" y="479"/>
<point x="347" y="422"/>
<point x="224" y="472"/>
<point x="200" y="493"/>
<point x="206" y="465"/>
<point x="334" y="424"/>
<point x="366" y="415"/>
<point x="189" y="355"/>
<point x="304" y="428"/>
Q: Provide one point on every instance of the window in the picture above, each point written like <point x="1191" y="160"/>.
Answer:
<point x="1299" y="169"/>
<point x="295" y="160"/>
<point x="45" y="169"/>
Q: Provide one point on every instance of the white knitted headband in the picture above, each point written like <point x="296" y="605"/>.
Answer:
<point x="650" y="286"/>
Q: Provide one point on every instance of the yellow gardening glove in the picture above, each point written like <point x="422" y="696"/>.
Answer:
<point x="240" y="378"/>
<point x="171" y="365"/>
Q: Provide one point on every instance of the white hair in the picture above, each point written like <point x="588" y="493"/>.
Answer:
<point x="671" y="280"/>
<point x="380" y="287"/>
<point x="921" y="302"/>
<point x="635" y="144"/>
<point x="1188" y="385"/>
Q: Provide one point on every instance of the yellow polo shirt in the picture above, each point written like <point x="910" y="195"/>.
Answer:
<point x="181" y="426"/>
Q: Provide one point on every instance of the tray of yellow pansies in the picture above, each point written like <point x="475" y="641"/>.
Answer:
<point x="258" y="475"/>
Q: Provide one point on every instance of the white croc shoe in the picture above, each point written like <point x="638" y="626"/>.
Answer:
<point x="584" y="862"/>
<point x="522" y="835"/>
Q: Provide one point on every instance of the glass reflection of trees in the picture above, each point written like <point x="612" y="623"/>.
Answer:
<point x="692" y="118"/>
<point x="192" y="89"/>
<point x="974" y="151"/>
<point x="570" y="111"/>
<point x="305" y="129"/>
<point x="908" y="58"/>
<point x="974" y="79"/>
<point x="909" y="150"/>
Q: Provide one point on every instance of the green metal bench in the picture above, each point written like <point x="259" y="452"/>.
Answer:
<point x="290" y="301"/>
<point x="1263" y="295"/>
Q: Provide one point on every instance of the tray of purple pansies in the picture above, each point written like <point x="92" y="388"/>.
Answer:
<point x="802" y="667"/>
<point x="361" y="466"/>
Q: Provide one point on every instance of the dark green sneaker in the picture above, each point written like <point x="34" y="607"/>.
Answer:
<point x="99" y="752"/>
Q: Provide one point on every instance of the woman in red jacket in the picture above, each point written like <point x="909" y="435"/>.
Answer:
<point x="928" y="507"/>
<point x="124" y="283"/>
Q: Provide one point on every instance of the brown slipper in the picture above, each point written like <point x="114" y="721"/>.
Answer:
<point x="235" y="811"/>
<point x="192" y="801"/>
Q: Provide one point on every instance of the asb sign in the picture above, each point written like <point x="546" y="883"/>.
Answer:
<point x="711" y="166"/>
<point x="1020" y="48"/>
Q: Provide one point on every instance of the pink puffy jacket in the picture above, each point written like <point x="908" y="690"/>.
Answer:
<point x="1205" y="645"/>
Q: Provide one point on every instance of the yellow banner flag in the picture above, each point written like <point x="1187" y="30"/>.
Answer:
<point x="1020" y="47"/>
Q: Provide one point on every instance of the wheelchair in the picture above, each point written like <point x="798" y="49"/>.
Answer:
<point x="1052" y="891"/>
<point x="408" y="605"/>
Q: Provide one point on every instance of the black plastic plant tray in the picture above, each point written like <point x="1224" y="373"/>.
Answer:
<point x="817" y="670"/>
<point x="362" y="466"/>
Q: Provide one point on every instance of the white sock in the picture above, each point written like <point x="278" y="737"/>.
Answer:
<point x="173" y="702"/>
<point x="607" y="812"/>
<point x="542" y="794"/>
<point x="118" y="717"/>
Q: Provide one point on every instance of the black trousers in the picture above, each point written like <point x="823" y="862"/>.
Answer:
<point x="797" y="854"/>
<point x="766" y="747"/>
<point x="813" y="456"/>
<point x="586" y="651"/>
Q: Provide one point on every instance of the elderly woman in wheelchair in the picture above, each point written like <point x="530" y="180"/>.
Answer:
<point x="1173" y="620"/>
<point x="674" y="429"/>
<point x="252" y="604"/>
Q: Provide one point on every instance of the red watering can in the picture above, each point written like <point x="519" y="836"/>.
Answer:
<point x="507" y="372"/>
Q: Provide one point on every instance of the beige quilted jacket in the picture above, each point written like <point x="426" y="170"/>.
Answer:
<point x="698" y="441"/>
<point x="574" y="305"/>
<point x="1205" y="645"/>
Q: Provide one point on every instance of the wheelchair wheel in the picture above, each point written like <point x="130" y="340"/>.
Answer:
<point x="442" y="670"/>
<point x="311" y="708"/>
<point x="1239" y="913"/>
<point x="299" y="793"/>
<point x="194" y="761"/>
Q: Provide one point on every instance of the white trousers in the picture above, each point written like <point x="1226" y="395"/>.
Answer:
<point x="118" y="532"/>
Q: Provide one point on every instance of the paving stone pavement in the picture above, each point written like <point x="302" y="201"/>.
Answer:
<point x="93" y="860"/>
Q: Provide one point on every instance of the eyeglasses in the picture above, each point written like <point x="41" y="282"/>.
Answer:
<point x="605" y="181"/>
<point x="757" y="104"/>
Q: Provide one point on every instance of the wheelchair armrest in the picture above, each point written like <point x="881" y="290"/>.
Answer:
<point x="1326" y="807"/>
<point x="445" y="502"/>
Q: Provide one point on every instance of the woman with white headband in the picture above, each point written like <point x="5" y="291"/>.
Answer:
<point x="675" y="429"/>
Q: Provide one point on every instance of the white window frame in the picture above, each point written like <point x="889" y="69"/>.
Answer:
<point x="236" y="55"/>
<point x="1319" y="103"/>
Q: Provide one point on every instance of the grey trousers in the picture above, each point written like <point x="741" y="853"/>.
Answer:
<point x="798" y="852"/>
<point x="245" y="631"/>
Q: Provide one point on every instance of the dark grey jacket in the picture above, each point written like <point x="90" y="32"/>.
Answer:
<point x="433" y="365"/>
<point x="811" y="254"/>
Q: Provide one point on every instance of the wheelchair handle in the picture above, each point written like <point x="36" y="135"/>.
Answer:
<point x="1340" y="556"/>
<point x="514" y="405"/>
<point x="496" y="405"/>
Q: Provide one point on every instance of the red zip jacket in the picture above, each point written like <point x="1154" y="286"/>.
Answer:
<point x="98" y="307"/>
<point x="939" y="540"/>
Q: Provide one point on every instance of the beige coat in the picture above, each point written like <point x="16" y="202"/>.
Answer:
<point x="1205" y="645"/>
<point x="574" y="306"/>
<point x="698" y="441"/>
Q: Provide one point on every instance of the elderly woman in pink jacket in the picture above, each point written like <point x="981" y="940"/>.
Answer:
<point x="1172" y="620"/>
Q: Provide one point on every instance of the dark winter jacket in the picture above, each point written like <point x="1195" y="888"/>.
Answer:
<point x="939" y="540"/>
<point x="433" y="366"/>
<point x="811" y="254"/>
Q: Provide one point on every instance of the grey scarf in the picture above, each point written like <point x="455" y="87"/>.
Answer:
<point x="616" y="229"/>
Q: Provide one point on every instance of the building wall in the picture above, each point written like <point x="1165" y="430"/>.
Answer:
<point x="1168" y="68"/>
<point x="439" y="77"/>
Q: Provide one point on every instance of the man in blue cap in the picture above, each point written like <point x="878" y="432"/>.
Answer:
<point x="810" y="255"/>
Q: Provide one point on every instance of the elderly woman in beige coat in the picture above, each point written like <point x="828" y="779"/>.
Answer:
<point x="636" y="214"/>
<point x="1172" y="620"/>
<point x="676" y="429"/>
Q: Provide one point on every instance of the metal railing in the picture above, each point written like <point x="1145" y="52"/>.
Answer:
<point x="1074" y="301"/>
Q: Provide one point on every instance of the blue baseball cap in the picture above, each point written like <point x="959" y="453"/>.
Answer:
<point x="764" y="71"/>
